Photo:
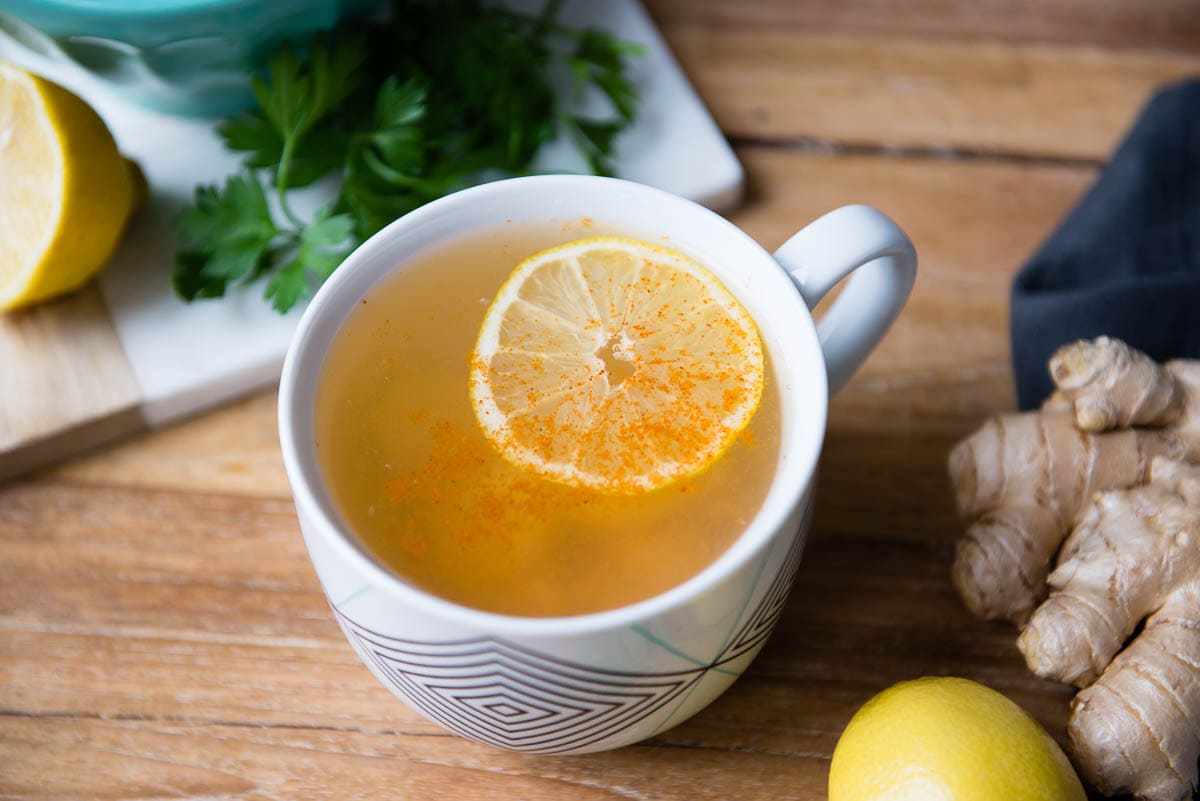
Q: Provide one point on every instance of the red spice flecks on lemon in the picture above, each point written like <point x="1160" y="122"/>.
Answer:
<point x="546" y="398"/>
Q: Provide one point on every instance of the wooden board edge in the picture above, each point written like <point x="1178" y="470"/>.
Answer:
<point x="73" y="441"/>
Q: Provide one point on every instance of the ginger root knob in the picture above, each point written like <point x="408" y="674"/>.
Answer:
<point x="1108" y="465"/>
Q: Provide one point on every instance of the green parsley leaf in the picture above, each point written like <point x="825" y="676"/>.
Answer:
<point x="595" y="140"/>
<point x="599" y="59"/>
<point x="325" y="242"/>
<point x="250" y="133"/>
<point x="236" y="212"/>
<point x="321" y="247"/>
<point x="294" y="99"/>
<point x="396" y="146"/>
<point x="189" y="279"/>
<point x="287" y="286"/>
<point x="316" y="155"/>
<point x="384" y="165"/>
<point x="224" y="234"/>
<point x="295" y="96"/>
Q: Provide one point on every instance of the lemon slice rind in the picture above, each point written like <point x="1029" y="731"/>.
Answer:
<point x="560" y="315"/>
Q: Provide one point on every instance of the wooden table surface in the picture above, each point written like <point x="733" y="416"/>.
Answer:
<point x="162" y="633"/>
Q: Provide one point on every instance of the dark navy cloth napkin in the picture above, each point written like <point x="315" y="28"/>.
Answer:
<point x="1126" y="261"/>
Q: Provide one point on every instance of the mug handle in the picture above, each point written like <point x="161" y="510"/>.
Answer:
<point x="826" y="251"/>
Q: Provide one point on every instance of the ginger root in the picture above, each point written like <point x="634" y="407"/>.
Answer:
<point x="1108" y="460"/>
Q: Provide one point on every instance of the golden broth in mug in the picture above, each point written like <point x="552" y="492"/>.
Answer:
<point x="413" y="477"/>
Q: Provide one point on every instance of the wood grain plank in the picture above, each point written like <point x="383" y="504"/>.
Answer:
<point x="148" y="759"/>
<point x="1113" y="25"/>
<point x="232" y="450"/>
<point x="66" y="382"/>
<point x="886" y="93"/>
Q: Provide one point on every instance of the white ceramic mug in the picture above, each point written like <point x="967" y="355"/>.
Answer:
<point x="599" y="681"/>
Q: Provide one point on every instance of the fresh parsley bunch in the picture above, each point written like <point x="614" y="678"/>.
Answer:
<point x="443" y="94"/>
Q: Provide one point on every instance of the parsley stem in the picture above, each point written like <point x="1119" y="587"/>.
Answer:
<point x="281" y="181"/>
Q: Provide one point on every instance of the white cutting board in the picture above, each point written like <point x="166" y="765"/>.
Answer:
<point x="182" y="358"/>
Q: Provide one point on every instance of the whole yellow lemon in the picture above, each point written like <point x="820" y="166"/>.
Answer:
<point x="948" y="739"/>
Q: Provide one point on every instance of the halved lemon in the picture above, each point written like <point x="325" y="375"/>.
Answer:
<point x="616" y="365"/>
<point x="65" y="191"/>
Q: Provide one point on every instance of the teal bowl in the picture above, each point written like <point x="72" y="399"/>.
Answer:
<point x="191" y="57"/>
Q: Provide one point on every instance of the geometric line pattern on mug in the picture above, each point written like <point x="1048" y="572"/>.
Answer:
<point x="759" y="625"/>
<point x="497" y="692"/>
<point x="754" y="629"/>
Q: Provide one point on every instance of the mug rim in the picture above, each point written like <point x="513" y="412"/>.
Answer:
<point x="304" y="348"/>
